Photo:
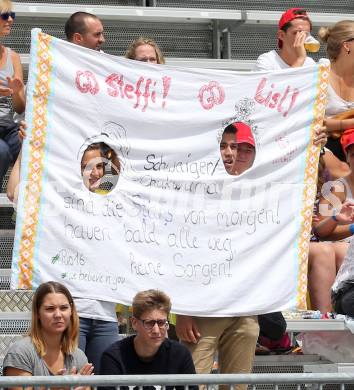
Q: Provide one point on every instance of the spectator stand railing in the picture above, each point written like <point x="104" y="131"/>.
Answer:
<point x="211" y="380"/>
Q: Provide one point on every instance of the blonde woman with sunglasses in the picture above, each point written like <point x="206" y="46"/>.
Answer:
<point x="11" y="92"/>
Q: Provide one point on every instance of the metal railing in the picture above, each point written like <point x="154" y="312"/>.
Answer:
<point x="211" y="380"/>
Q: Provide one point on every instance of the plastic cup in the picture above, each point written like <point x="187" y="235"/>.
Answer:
<point x="311" y="44"/>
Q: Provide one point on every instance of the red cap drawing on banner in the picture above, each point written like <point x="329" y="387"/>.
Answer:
<point x="347" y="139"/>
<point x="243" y="133"/>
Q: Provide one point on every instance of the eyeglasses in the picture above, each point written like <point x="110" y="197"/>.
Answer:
<point x="349" y="40"/>
<point x="149" y="324"/>
<point x="7" y="15"/>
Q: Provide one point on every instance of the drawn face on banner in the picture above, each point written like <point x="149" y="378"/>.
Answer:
<point x="228" y="149"/>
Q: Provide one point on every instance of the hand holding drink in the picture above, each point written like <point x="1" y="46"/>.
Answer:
<point x="311" y="44"/>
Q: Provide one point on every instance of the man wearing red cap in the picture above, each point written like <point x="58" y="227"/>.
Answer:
<point x="234" y="338"/>
<point x="228" y="149"/>
<point x="246" y="151"/>
<point x="293" y="28"/>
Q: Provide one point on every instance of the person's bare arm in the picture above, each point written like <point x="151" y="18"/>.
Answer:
<point x="345" y="217"/>
<point x="12" y="371"/>
<point x="337" y="126"/>
<point x="336" y="167"/>
<point x="186" y="329"/>
<point x="328" y="205"/>
<point x="14" y="180"/>
<point x="16" y="84"/>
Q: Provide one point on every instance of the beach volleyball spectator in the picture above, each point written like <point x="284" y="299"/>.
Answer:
<point x="149" y="351"/>
<point x="343" y="287"/>
<point x="246" y="148"/>
<point x="146" y="50"/>
<point x="324" y="258"/>
<point x="51" y="348"/>
<point x="11" y="93"/>
<point x="233" y="338"/>
<point x="228" y="148"/>
<point x="85" y="29"/>
<point x="339" y="40"/>
<point x="93" y="167"/>
<point x="340" y="191"/>
<point x="98" y="319"/>
<point x="293" y="28"/>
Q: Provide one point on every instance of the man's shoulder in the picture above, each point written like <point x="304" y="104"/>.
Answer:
<point x="120" y="345"/>
<point x="267" y="61"/>
<point x="269" y="54"/>
<point x="175" y="346"/>
<point x="309" y="61"/>
<point x="23" y="344"/>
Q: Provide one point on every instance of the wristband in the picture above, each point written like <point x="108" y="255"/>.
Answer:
<point x="351" y="228"/>
<point x="334" y="218"/>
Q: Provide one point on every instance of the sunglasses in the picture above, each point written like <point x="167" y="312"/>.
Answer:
<point x="7" y="15"/>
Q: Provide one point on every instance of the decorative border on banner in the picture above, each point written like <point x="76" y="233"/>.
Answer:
<point x="35" y="164"/>
<point x="310" y="188"/>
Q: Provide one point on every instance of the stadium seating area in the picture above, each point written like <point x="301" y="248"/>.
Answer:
<point x="220" y="34"/>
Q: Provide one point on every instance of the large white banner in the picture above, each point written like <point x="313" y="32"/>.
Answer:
<point x="172" y="218"/>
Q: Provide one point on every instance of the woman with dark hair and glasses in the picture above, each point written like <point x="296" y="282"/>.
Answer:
<point x="149" y="351"/>
<point x="11" y="93"/>
<point x="340" y="51"/>
<point x="51" y="346"/>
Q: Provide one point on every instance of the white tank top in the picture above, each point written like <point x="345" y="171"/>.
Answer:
<point x="336" y="104"/>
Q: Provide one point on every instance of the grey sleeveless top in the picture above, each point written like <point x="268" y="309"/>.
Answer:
<point x="6" y="114"/>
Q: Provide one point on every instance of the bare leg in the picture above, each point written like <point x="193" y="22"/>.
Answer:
<point x="340" y="249"/>
<point x="321" y="275"/>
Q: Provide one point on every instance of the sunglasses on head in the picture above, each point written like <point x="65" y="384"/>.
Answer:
<point x="6" y="15"/>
